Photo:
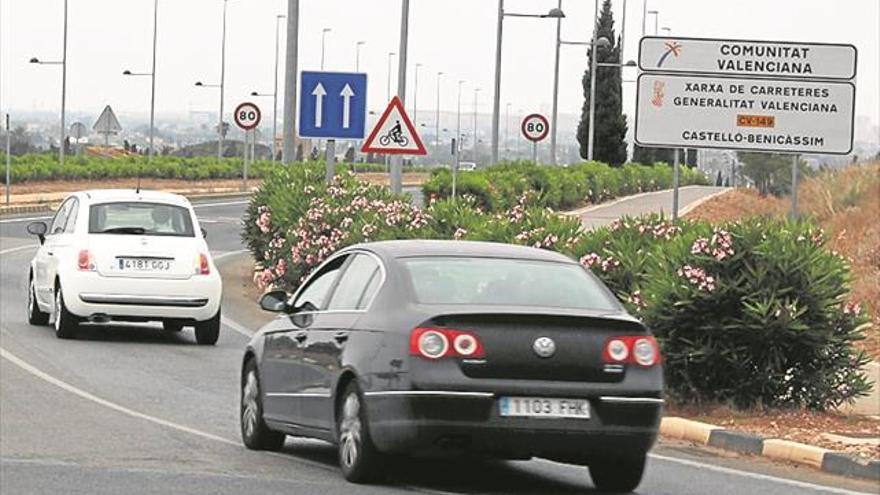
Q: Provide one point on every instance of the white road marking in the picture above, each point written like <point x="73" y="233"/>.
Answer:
<point x="19" y="248"/>
<point x="757" y="476"/>
<point x="12" y="358"/>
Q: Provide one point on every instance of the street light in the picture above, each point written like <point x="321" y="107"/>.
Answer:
<point x="476" y="94"/>
<point x="507" y="130"/>
<point x="388" y="83"/>
<point x="357" y="55"/>
<point x="416" y="93"/>
<point x="63" y="64"/>
<point x="273" y="95"/>
<point x="555" y="13"/>
<point x="275" y="88"/>
<point x="220" y="133"/>
<point x="437" y="119"/>
<point x="323" y="40"/>
<point x="668" y="30"/>
<point x="152" y="75"/>
<point x="656" y="14"/>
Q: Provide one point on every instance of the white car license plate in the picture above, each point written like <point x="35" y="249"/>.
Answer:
<point x="544" y="407"/>
<point x="144" y="264"/>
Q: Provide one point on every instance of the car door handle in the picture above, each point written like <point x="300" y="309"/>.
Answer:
<point x="340" y="337"/>
<point x="301" y="337"/>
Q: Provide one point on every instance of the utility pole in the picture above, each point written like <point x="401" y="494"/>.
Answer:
<point x="290" y="81"/>
<point x="555" y="109"/>
<point x="396" y="160"/>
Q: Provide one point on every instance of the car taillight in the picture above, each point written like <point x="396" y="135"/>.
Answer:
<point x="202" y="267"/>
<point x="85" y="262"/>
<point x="639" y="349"/>
<point x="436" y="343"/>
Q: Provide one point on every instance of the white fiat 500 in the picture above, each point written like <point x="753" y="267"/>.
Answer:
<point x="124" y="255"/>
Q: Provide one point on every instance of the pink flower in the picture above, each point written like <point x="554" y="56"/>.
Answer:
<point x="459" y="233"/>
<point x="852" y="308"/>
<point x="698" y="277"/>
<point x="590" y="260"/>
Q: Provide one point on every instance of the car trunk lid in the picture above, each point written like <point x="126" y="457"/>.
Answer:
<point x="143" y="256"/>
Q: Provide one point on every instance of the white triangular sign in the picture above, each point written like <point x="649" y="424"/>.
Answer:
<point x="394" y="133"/>
<point x="107" y="123"/>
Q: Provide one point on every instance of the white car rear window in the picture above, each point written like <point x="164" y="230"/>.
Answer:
<point x="139" y="218"/>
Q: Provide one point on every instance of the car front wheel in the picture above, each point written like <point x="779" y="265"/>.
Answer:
<point x="208" y="331"/>
<point x="35" y="316"/>
<point x="358" y="458"/>
<point x="254" y="432"/>
<point x="618" y="475"/>
<point x="66" y="324"/>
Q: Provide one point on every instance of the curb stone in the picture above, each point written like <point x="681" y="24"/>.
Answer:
<point x="783" y="450"/>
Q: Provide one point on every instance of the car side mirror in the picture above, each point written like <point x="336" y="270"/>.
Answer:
<point x="274" y="301"/>
<point x="204" y="233"/>
<point x="38" y="229"/>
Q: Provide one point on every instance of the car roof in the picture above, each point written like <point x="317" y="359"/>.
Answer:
<point x="113" y="195"/>
<point x="424" y="247"/>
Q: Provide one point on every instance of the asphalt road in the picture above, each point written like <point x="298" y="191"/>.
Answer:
<point x="123" y="409"/>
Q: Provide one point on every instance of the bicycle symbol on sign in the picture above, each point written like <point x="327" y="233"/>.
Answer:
<point x="395" y="135"/>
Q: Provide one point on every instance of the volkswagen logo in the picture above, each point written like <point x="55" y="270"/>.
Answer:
<point x="544" y="347"/>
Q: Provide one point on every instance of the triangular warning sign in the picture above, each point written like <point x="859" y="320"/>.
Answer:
<point x="394" y="133"/>
<point x="107" y="123"/>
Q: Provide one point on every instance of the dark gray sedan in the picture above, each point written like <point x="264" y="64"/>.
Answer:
<point x="445" y="348"/>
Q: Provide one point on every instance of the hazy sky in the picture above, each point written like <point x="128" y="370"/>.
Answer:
<point x="453" y="36"/>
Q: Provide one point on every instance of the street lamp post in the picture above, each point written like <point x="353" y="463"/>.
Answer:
<point x="290" y="81"/>
<point x="457" y="140"/>
<point x="507" y="130"/>
<point x="220" y="129"/>
<point x="555" y="13"/>
<point x="357" y="55"/>
<point x="476" y="94"/>
<point x="388" y="82"/>
<point x="656" y="14"/>
<point x="152" y="75"/>
<point x="274" y="96"/>
<point x="416" y="93"/>
<point x="437" y="113"/>
<point x="323" y="43"/>
<point x="63" y="64"/>
<point x="275" y="89"/>
<point x="396" y="179"/>
<point x="593" y="63"/>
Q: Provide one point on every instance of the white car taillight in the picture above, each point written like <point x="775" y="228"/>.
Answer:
<point x="202" y="266"/>
<point x="85" y="262"/>
<point x="634" y="349"/>
<point x="434" y="343"/>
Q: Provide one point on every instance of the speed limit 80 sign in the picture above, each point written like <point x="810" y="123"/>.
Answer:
<point x="535" y="127"/>
<point x="247" y="116"/>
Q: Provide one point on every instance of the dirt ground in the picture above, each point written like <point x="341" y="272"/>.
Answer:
<point x="796" y="425"/>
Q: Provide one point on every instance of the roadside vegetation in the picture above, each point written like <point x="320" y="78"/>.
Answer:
<point x="46" y="167"/>
<point x="499" y="188"/>
<point x="846" y="205"/>
<point x="755" y="312"/>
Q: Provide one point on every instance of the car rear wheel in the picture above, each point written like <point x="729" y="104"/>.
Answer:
<point x="254" y="432"/>
<point x="618" y="475"/>
<point x="66" y="324"/>
<point x="358" y="458"/>
<point x="35" y="316"/>
<point x="208" y="331"/>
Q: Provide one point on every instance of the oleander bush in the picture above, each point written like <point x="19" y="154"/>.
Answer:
<point x="753" y="312"/>
<point x="499" y="187"/>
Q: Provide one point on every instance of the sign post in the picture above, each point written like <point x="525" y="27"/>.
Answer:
<point x="768" y="96"/>
<point x="333" y="105"/>
<point x="535" y="128"/>
<point x="247" y="117"/>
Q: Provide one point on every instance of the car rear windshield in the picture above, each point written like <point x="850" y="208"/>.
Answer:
<point x="139" y="218"/>
<point x="509" y="282"/>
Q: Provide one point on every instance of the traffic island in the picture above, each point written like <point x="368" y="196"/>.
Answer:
<point x="824" y="459"/>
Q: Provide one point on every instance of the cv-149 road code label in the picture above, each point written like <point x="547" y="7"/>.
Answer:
<point x="744" y="113"/>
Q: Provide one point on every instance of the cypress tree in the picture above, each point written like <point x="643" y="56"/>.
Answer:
<point x="609" y="142"/>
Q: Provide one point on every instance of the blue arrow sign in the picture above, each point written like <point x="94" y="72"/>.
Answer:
<point x="333" y="105"/>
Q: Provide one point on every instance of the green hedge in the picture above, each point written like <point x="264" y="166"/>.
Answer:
<point x="499" y="187"/>
<point x="751" y="312"/>
<point x="43" y="167"/>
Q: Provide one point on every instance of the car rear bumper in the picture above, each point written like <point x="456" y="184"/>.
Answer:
<point x="445" y="423"/>
<point x="89" y="294"/>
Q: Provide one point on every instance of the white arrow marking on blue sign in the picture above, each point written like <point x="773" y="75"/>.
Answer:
<point x="319" y="94"/>
<point x="346" y="94"/>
